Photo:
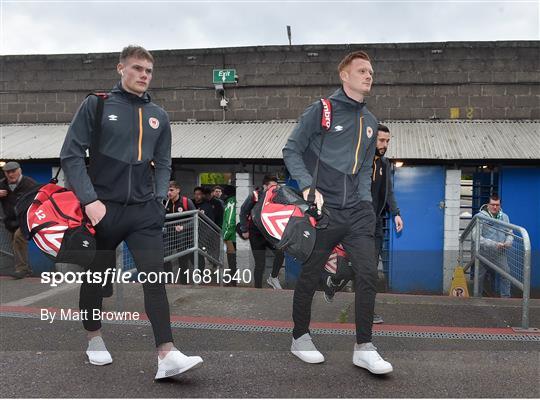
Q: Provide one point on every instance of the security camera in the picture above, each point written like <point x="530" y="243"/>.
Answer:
<point x="219" y="89"/>
<point x="236" y="79"/>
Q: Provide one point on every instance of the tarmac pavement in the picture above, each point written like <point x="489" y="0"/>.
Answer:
<point x="439" y="346"/>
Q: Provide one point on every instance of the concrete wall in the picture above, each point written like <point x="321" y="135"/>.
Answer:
<point x="412" y="81"/>
<point x="451" y="225"/>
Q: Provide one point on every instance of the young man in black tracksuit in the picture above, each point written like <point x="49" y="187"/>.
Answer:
<point x="344" y="188"/>
<point x="257" y="241"/>
<point x="123" y="195"/>
<point x="383" y="199"/>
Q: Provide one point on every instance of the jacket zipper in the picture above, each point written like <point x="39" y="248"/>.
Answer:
<point x="385" y="195"/>
<point x="385" y="183"/>
<point x="344" y="191"/>
<point x="358" y="145"/>
<point x="129" y="172"/>
<point x="139" y="158"/>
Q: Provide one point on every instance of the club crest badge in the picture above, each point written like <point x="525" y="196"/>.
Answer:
<point x="153" y="122"/>
<point x="369" y="132"/>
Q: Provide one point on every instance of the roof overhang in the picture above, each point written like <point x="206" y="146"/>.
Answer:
<point x="247" y="140"/>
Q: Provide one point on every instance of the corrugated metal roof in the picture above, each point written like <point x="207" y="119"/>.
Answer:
<point x="464" y="140"/>
<point x="442" y="140"/>
<point x="246" y="140"/>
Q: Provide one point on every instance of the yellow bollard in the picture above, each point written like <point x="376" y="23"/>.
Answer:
<point x="459" y="284"/>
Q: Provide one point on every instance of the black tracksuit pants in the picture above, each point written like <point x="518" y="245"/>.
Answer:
<point x="140" y="225"/>
<point x="347" y="274"/>
<point x="354" y="229"/>
<point x="258" y="246"/>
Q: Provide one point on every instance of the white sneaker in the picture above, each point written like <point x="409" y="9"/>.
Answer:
<point x="274" y="282"/>
<point x="366" y="356"/>
<point x="305" y="350"/>
<point x="175" y="362"/>
<point x="97" y="352"/>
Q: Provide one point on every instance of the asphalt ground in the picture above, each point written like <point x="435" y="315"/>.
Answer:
<point x="439" y="346"/>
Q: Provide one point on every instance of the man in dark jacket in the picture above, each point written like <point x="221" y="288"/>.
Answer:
<point x="217" y="204"/>
<point x="12" y="187"/>
<point x="344" y="188"/>
<point x="383" y="200"/>
<point x="123" y="193"/>
<point x="201" y="202"/>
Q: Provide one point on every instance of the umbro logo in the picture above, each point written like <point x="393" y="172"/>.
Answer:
<point x="113" y="117"/>
<point x="85" y="243"/>
<point x="306" y="234"/>
<point x="338" y="128"/>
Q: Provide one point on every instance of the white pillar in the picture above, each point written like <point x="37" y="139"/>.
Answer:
<point x="451" y="225"/>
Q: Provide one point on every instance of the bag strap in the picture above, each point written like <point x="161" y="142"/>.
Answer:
<point x="59" y="211"/>
<point x="98" y="128"/>
<point x="326" y="123"/>
<point x="94" y="144"/>
<point x="40" y="227"/>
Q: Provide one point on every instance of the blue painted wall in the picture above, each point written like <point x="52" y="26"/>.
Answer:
<point x="520" y="199"/>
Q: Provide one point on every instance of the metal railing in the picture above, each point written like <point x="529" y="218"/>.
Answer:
<point x="188" y="232"/>
<point x="502" y="247"/>
<point x="6" y="247"/>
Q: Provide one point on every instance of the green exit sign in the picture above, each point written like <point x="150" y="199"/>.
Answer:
<point x="224" y="76"/>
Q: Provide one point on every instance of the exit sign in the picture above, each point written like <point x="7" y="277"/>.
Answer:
<point x="224" y="76"/>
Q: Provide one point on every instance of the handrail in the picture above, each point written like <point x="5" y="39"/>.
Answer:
<point x="478" y="257"/>
<point x="193" y="212"/>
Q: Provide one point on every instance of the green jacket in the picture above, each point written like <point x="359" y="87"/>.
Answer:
<point x="229" y="220"/>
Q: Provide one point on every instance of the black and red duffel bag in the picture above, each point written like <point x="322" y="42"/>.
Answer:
<point x="284" y="219"/>
<point x="53" y="218"/>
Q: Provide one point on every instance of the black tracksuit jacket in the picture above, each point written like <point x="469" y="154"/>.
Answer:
<point x="136" y="133"/>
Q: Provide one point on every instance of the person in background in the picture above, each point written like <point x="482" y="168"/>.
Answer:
<point x="217" y="193"/>
<point x="256" y="239"/>
<point x="216" y="203"/>
<point x="12" y="187"/>
<point x="177" y="203"/>
<point x="202" y="204"/>
<point x="228" y="230"/>
<point x="495" y="243"/>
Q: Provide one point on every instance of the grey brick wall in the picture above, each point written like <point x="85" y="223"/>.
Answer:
<point x="488" y="80"/>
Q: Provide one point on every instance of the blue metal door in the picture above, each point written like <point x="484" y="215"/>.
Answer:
<point x="520" y="199"/>
<point x="416" y="254"/>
